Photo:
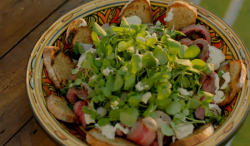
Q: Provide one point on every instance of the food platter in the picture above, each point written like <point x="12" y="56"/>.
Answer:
<point x="39" y="86"/>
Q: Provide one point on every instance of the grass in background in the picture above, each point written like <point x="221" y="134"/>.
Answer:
<point x="241" y="25"/>
<point x="218" y="7"/>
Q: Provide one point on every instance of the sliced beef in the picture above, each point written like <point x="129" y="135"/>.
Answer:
<point x="73" y="93"/>
<point x="78" y="111"/>
<point x="140" y="134"/>
<point x="200" y="112"/>
<point x="204" y="46"/>
<point x="186" y="41"/>
<point x="209" y="83"/>
<point x="195" y="32"/>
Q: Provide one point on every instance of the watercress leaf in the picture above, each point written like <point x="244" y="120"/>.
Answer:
<point x="123" y="70"/>
<point x="110" y="82"/>
<point x="185" y="62"/>
<point x="136" y="63"/>
<point x="164" y="91"/>
<point x="175" y="33"/>
<point x="78" y="82"/>
<point x="220" y="73"/>
<point x="129" y="80"/>
<point x="75" y="71"/>
<point x="124" y="22"/>
<point x="122" y="46"/>
<point x="164" y="39"/>
<point x="173" y="46"/>
<point x="167" y="130"/>
<point x="161" y="55"/>
<point x="118" y="83"/>
<point x="114" y="114"/>
<point x="185" y="112"/>
<point x="151" y="108"/>
<point x="129" y="116"/>
<point x="193" y="103"/>
<point x="106" y="91"/>
<point x="148" y="60"/>
<point x="157" y="48"/>
<point x="109" y="49"/>
<point x="151" y="41"/>
<point x="198" y="63"/>
<point x="86" y="110"/>
<point x="135" y="100"/>
<point x="103" y="121"/>
<point x="173" y="108"/>
<point x="99" y="30"/>
<point x="98" y="63"/>
<point x="183" y="49"/>
<point x="209" y="68"/>
<point x="192" y="52"/>
<point x="101" y="97"/>
<point x="95" y="38"/>
<point x="162" y="104"/>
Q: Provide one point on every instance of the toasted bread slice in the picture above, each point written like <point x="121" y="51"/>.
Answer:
<point x="57" y="106"/>
<point x="238" y="75"/>
<point x="198" y="136"/>
<point x="58" y="65"/>
<point x="95" y="138"/>
<point x="140" y="8"/>
<point x="78" y="31"/>
<point x="183" y="15"/>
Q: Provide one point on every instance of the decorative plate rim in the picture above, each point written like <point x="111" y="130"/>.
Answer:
<point x="237" y="45"/>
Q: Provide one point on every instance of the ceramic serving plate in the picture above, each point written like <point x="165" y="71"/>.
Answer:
<point x="39" y="86"/>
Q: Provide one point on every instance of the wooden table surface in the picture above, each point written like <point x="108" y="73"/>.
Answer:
<point x="22" y="22"/>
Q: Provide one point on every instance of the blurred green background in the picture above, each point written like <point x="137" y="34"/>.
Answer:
<point x="237" y="14"/>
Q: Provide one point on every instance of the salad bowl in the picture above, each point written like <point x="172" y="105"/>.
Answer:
<point x="40" y="87"/>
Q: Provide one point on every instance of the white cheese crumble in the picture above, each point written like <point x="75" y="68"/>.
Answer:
<point x="184" y="92"/>
<point x="183" y="130"/>
<point x="226" y="77"/>
<point x="216" y="82"/>
<point x="83" y="24"/>
<point x="154" y="36"/>
<point x="106" y="71"/>
<point x="146" y="97"/>
<point x="147" y="37"/>
<point x="109" y="131"/>
<point x="169" y="16"/>
<point x="83" y="56"/>
<point x="140" y="86"/>
<point x="88" y="119"/>
<point x="93" y="77"/>
<point x="216" y="57"/>
<point x="141" y="39"/>
<point x="71" y="85"/>
<point x="134" y="20"/>
<point x="114" y="104"/>
<point x="215" y="109"/>
<point x="219" y="97"/>
<point x="101" y="111"/>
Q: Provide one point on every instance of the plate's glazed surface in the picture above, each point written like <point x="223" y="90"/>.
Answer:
<point x="39" y="86"/>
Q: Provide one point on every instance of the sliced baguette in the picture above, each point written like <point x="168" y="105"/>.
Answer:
<point x="238" y="75"/>
<point x="95" y="138"/>
<point x="198" y="136"/>
<point x="57" y="106"/>
<point x="183" y="15"/>
<point x="140" y="8"/>
<point x="58" y="65"/>
<point x="78" y="31"/>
